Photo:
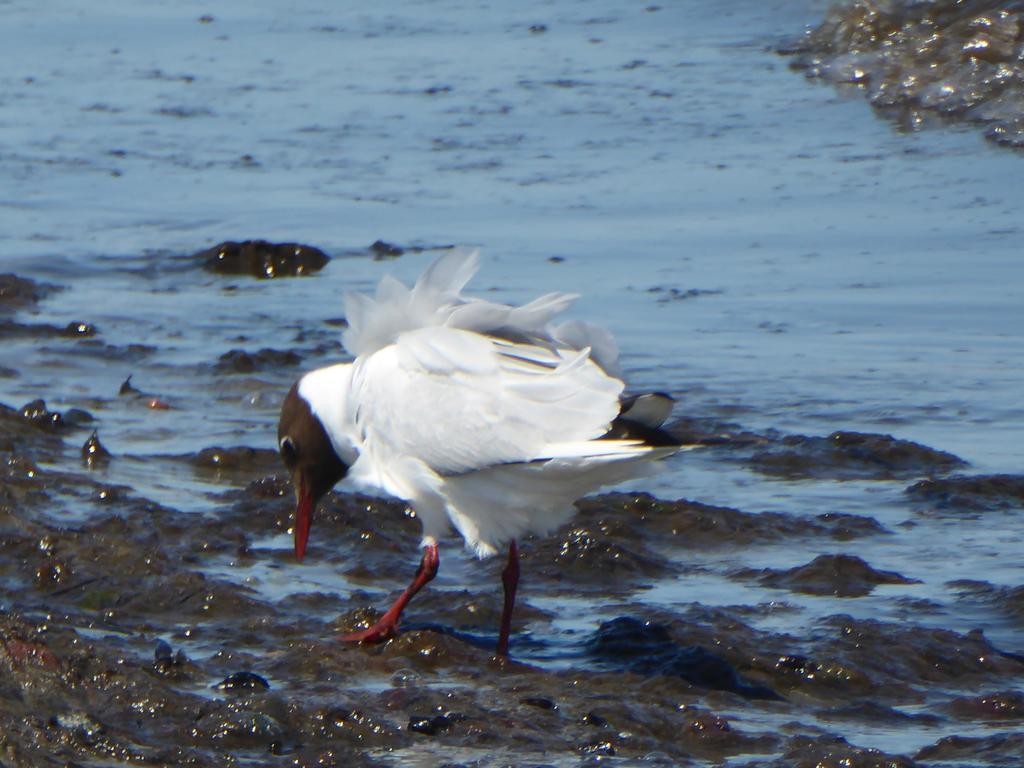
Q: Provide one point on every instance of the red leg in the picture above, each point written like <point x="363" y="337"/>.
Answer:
<point x="388" y="623"/>
<point x="510" y="579"/>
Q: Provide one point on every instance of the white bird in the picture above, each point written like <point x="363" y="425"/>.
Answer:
<point x="488" y="418"/>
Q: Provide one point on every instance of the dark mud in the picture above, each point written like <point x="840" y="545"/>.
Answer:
<point x="1007" y="601"/>
<point x="241" y="361"/>
<point x="21" y="292"/>
<point x="926" y="62"/>
<point x="143" y="633"/>
<point x="120" y="641"/>
<point x="685" y="523"/>
<point x="382" y="249"/>
<point x="834" y="751"/>
<point x="10" y="329"/>
<point x="646" y="648"/>
<point x="851" y="456"/>
<point x="999" y="749"/>
<point x="970" y="493"/>
<point x="842" y="455"/>
<point x="147" y="634"/>
<point x="838" y="575"/>
<point x="1001" y="705"/>
<point x="238" y="458"/>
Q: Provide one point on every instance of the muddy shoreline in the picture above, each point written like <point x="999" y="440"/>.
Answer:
<point x="119" y="641"/>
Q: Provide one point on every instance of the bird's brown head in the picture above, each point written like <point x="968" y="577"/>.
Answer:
<point x="310" y="458"/>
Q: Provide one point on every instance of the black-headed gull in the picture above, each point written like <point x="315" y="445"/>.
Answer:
<point x="488" y="418"/>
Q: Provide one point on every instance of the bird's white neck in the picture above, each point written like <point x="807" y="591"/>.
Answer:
<point x="326" y="391"/>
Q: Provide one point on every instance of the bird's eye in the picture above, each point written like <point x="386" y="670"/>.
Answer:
<point x="289" y="452"/>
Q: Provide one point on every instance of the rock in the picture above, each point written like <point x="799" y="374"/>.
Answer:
<point x="926" y="63"/>
<point x="37" y="414"/>
<point x="164" y="657"/>
<point x="79" y="330"/>
<point x="262" y="259"/>
<point x="127" y="388"/>
<point x="429" y="726"/>
<point x="93" y="452"/>
<point x="243" y="681"/>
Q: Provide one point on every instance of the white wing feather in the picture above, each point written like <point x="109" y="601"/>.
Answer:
<point x="457" y="401"/>
<point x="484" y="416"/>
<point x="436" y="300"/>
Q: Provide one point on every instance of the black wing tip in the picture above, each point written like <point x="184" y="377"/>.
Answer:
<point x="651" y="409"/>
<point x="652" y="437"/>
<point x="641" y="418"/>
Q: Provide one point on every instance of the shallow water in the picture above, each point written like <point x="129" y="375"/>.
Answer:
<point x="763" y="248"/>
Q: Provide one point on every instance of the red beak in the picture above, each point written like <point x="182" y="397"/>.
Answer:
<point x="303" y="518"/>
